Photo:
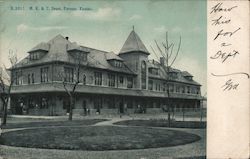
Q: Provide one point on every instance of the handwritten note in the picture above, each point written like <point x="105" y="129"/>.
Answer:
<point x="228" y="79"/>
<point x="221" y="19"/>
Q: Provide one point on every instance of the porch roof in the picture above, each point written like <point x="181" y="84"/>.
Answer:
<point x="90" y="89"/>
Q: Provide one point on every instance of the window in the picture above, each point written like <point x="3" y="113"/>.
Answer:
<point x="111" y="80"/>
<point x="118" y="63"/>
<point x="183" y="89"/>
<point x="197" y="90"/>
<point x="81" y="56"/>
<point x="153" y="71"/>
<point x="188" y="89"/>
<point x="173" y="75"/>
<point x="98" y="78"/>
<point x="129" y="82"/>
<point x="18" y="78"/>
<point x="150" y="84"/>
<point x="171" y="88"/>
<point x="34" y="56"/>
<point x="68" y="76"/>
<point x="143" y="75"/>
<point x="178" y="89"/>
<point x="32" y="78"/>
<point x="190" y="78"/>
<point x="44" y="74"/>
<point x="29" y="78"/>
<point x="158" y="86"/>
<point x="121" y="79"/>
<point x="84" y="79"/>
<point x="164" y="87"/>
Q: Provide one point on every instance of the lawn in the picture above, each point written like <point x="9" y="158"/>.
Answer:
<point x="164" y="123"/>
<point x="97" y="138"/>
<point x="45" y="123"/>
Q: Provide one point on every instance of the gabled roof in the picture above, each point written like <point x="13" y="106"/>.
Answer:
<point x="133" y="43"/>
<point x="58" y="51"/>
<point x="112" y="56"/>
<point x="41" y="46"/>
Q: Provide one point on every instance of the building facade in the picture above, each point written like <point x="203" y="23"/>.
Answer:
<point x="127" y="82"/>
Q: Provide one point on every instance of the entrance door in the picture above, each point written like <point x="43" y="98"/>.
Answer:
<point x="66" y="104"/>
<point x="121" y="107"/>
<point x="98" y="105"/>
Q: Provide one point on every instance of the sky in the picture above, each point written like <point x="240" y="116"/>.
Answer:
<point x="105" y="25"/>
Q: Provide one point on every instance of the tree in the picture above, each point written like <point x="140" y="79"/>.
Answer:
<point x="169" y="57"/>
<point x="6" y="82"/>
<point x="70" y="77"/>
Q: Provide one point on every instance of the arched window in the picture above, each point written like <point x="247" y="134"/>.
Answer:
<point x="143" y="75"/>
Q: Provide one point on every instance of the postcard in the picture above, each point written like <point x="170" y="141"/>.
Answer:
<point x="124" y="79"/>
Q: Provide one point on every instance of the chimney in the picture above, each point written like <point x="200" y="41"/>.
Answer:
<point x="67" y="38"/>
<point x="162" y="61"/>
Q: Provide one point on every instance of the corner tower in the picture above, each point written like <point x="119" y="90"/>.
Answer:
<point x="135" y="55"/>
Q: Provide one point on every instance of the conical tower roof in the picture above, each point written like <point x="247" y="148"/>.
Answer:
<point x="133" y="43"/>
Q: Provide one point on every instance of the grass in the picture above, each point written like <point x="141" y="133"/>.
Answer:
<point x="39" y="123"/>
<point x="164" y="123"/>
<point x="97" y="138"/>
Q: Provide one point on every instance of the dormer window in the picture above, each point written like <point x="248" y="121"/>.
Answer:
<point x="154" y="71"/>
<point x="34" y="56"/>
<point x="173" y="75"/>
<point x="190" y="78"/>
<point x="78" y="52"/>
<point x="118" y="63"/>
<point x="38" y="51"/>
<point x="80" y="56"/>
<point x="187" y="75"/>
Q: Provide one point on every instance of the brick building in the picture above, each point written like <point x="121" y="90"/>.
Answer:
<point x="109" y="83"/>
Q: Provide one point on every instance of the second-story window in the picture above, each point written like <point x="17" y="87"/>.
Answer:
<point x="44" y="74"/>
<point x="197" y="90"/>
<point x="164" y="88"/>
<point x="150" y="84"/>
<point x="171" y="88"/>
<point x="129" y="82"/>
<point x="111" y="80"/>
<point x="32" y="78"/>
<point x="18" y="78"/>
<point x="69" y="74"/>
<point x="29" y="78"/>
<point x="188" y="89"/>
<point x="98" y="78"/>
<point x="143" y="75"/>
<point x="121" y="79"/>
<point x="182" y="89"/>
<point x="178" y="89"/>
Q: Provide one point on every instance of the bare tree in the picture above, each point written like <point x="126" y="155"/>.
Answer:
<point x="168" y="54"/>
<point x="6" y="82"/>
<point x="70" y="80"/>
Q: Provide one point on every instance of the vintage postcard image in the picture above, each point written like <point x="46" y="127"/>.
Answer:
<point x="111" y="79"/>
